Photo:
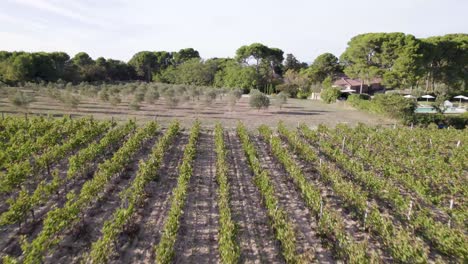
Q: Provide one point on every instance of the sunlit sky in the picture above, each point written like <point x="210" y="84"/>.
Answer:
<point x="216" y="28"/>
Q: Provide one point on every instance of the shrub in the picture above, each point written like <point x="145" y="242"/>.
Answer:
<point x="209" y="97"/>
<point x="303" y="95"/>
<point x="329" y="95"/>
<point x="115" y="99"/>
<point x="233" y="96"/>
<point x="172" y="101"/>
<point x="151" y="95"/>
<point x="194" y="93"/>
<point x="424" y="120"/>
<point x="21" y="99"/>
<point x="258" y="100"/>
<point x="134" y="105"/>
<point x="211" y="94"/>
<point x="139" y="96"/>
<point x="70" y="100"/>
<point x="280" y="99"/>
<point x="237" y="93"/>
<point x="104" y="95"/>
<point x="291" y="89"/>
<point x="392" y="105"/>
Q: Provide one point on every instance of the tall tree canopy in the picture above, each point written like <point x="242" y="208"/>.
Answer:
<point x="325" y="65"/>
<point x="291" y="63"/>
<point x="391" y="56"/>
<point x="401" y="60"/>
<point x="445" y="60"/>
<point x="184" y="55"/>
<point x="267" y="62"/>
<point x="144" y="62"/>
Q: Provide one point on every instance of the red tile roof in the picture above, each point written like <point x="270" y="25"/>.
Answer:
<point x="346" y="81"/>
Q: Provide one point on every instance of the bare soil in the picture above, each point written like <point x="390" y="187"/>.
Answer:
<point x="311" y="112"/>
<point x="254" y="235"/>
<point x="197" y="240"/>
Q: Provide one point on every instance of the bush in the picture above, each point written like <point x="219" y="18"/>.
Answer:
<point x="233" y="96"/>
<point x="70" y="100"/>
<point x="237" y="93"/>
<point x="115" y="99"/>
<point x="425" y="120"/>
<point x="280" y="99"/>
<point x="134" y="105"/>
<point x="258" y="100"/>
<point x="329" y="95"/>
<point x="172" y="102"/>
<point x="139" y="96"/>
<point x="104" y="95"/>
<point x="392" y="105"/>
<point x="151" y="96"/>
<point x="303" y="95"/>
<point x="290" y="89"/>
<point x="21" y="99"/>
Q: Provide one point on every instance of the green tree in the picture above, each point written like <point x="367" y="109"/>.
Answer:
<point x="184" y="55"/>
<point x="325" y="65"/>
<point x="258" y="100"/>
<point x="392" y="56"/>
<point x="445" y="60"/>
<point x="267" y="62"/>
<point x="144" y="63"/>
<point x="329" y="95"/>
<point x="21" y="99"/>
<point x="280" y="100"/>
<point x="291" y="63"/>
<point x="235" y="75"/>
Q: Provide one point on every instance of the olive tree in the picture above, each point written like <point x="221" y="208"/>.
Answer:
<point x="258" y="100"/>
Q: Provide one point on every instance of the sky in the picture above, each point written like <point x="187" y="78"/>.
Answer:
<point x="216" y="28"/>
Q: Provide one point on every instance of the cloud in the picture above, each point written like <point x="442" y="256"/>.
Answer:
<point x="75" y="11"/>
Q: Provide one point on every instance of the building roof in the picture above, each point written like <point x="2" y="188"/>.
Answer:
<point x="346" y="81"/>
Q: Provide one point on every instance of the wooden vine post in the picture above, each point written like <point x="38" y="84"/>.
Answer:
<point x="408" y="216"/>
<point x="343" y="144"/>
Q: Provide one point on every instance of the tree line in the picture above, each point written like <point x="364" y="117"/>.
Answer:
<point x="400" y="60"/>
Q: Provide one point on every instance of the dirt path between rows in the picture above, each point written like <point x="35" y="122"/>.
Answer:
<point x="78" y="240"/>
<point x="255" y="236"/>
<point x="308" y="242"/>
<point x="197" y="240"/>
<point x="136" y="243"/>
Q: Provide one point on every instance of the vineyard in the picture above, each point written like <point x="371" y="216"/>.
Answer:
<point x="88" y="191"/>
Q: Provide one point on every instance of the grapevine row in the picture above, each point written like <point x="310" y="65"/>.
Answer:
<point x="29" y="143"/>
<point x="19" y="172"/>
<point x="402" y="247"/>
<point x="429" y="190"/>
<point x="36" y="127"/>
<point x="448" y="241"/>
<point x="165" y="249"/>
<point x="330" y="223"/>
<point x="228" y="247"/>
<point x="102" y="249"/>
<point x="284" y="230"/>
<point x="26" y="202"/>
<point x="61" y="219"/>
